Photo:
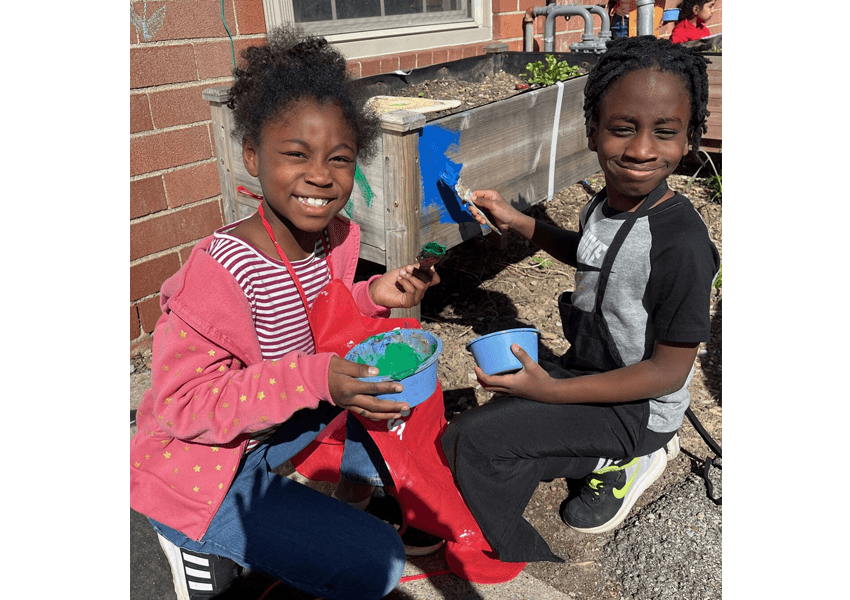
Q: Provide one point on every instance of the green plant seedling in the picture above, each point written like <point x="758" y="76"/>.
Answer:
<point x="551" y="71"/>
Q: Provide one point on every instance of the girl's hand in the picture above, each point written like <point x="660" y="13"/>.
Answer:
<point x="404" y="287"/>
<point x="532" y="381"/>
<point x="359" y="396"/>
<point x="504" y="216"/>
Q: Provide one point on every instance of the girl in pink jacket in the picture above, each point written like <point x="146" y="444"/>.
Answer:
<point x="240" y="383"/>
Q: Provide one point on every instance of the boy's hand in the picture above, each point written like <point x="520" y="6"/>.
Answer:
<point x="359" y="396"/>
<point x="504" y="216"/>
<point x="532" y="381"/>
<point x="404" y="287"/>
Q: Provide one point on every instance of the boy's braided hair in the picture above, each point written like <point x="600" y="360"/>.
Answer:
<point x="294" y="66"/>
<point x="625" y="55"/>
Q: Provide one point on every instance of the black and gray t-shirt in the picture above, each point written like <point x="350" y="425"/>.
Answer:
<point x="659" y="288"/>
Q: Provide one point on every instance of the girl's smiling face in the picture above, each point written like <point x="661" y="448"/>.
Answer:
<point x="641" y="135"/>
<point x="305" y="163"/>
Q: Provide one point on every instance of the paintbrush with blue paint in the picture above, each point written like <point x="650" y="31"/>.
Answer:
<point x="453" y="180"/>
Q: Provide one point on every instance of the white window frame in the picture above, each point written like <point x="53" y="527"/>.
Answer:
<point x="396" y="40"/>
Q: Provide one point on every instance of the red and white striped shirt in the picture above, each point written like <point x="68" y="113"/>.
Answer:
<point x="276" y="306"/>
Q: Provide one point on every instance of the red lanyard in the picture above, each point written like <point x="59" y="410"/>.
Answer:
<point x="285" y="260"/>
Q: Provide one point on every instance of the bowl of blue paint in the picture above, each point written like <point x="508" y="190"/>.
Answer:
<point x="492" y="352"/>
<point x="408" y="356"/>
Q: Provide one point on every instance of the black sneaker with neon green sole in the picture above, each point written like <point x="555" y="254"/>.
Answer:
<point x="609" y="493"/>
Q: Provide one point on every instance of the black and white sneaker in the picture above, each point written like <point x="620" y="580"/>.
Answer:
<point x="198" y="576"/>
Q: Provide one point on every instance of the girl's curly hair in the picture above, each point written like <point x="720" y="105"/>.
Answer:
<point x="625" y="55"/>
<point x="294" y="66"/>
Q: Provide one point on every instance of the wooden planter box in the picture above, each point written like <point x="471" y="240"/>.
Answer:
<point x="402" y="204"/>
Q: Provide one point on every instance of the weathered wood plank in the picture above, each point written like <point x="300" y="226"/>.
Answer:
<point x="403" y="192"/>
<point x="507" y="145"/>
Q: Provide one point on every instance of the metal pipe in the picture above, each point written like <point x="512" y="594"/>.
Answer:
<point x="645" y="17"/>
<point x="565" y="11"/>
<point x="552" y="11"/>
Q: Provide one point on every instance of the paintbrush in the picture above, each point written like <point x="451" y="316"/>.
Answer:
<point x="464" y="193"/>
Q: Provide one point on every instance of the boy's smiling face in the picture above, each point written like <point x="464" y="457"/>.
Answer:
<point x="641" y="135"/>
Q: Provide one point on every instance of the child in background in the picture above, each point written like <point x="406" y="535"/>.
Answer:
<point x="240" y="382"/>
<point x="693" y="15"/>
<point x="619" y="11"/>
<point x="644" y="269"/>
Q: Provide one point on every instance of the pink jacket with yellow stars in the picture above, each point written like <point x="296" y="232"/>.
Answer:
<point x="211" y="389"/>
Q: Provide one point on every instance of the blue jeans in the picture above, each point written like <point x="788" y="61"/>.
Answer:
<point x="619" y="26"/>
<point x="311" y="541"/>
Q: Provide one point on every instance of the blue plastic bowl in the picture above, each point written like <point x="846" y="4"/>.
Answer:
<point x="419" y="385"/>
<point x="492" y="352"/>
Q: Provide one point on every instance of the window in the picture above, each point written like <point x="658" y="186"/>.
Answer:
<point x="364" y="28"/>
<point x="343" y="16"/>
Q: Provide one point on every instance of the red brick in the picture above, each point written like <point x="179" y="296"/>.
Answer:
<point x="424" y="59"/>
<point x="407" y="61"/>
<point x="474" y="50"/>
<point x="147" y="196"/>
<point x="146" y="277"/>
<point x="135" y="327"/>
<point x="524" y="5"/>
<point x="190" y="19"/>
<point x="159" y="65"/>
<point x="389" y="64"/>
<point x="149" y="313"/>
<point x="215" y="59"/>
<point x="439" y="56"/>
<point x="503" y="6"/>
<point x="179" y="106"/>
<point x="191" y="184"/>
<point x="174" y="229"/>
<point x="169" y="149"/>
<point x="353" y="67"/>
<point x="455" y="53"/>
<point x="370" y="66"/>
<point x="507" y="26"/>
<point x="250" y="16"/>
<point x="140" y="113"/>
<point x="184" y="254"/>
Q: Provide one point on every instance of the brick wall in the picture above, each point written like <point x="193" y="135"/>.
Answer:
<point x="175" y="196"/>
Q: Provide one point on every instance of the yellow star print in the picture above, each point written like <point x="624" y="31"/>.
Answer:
<point x="167" y="455"/>
<point x="261" y="395"/>
<point x="196" y="489"/>
<point x="199" y="370"/>
<point x="182" y="334"/>
<point x="215" y="448"/>
<point x="211" y="352"/>
<point x="218" y="467"/>
<point x="242" y="398"/>
<point x="272" y="381"/>
<point x="292" y="365"/>
<point x="197" y="468"/>
<point x="299" y="389"/>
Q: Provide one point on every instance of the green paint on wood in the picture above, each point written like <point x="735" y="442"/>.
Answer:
<point x="364" y="186"/>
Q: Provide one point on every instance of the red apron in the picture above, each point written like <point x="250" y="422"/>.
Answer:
<point x="410" y="446"/>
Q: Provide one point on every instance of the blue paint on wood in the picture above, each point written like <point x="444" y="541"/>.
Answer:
<point x="435" y="143"/>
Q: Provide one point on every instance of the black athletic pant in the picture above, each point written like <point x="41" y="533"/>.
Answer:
<point x="499" y="453"/>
